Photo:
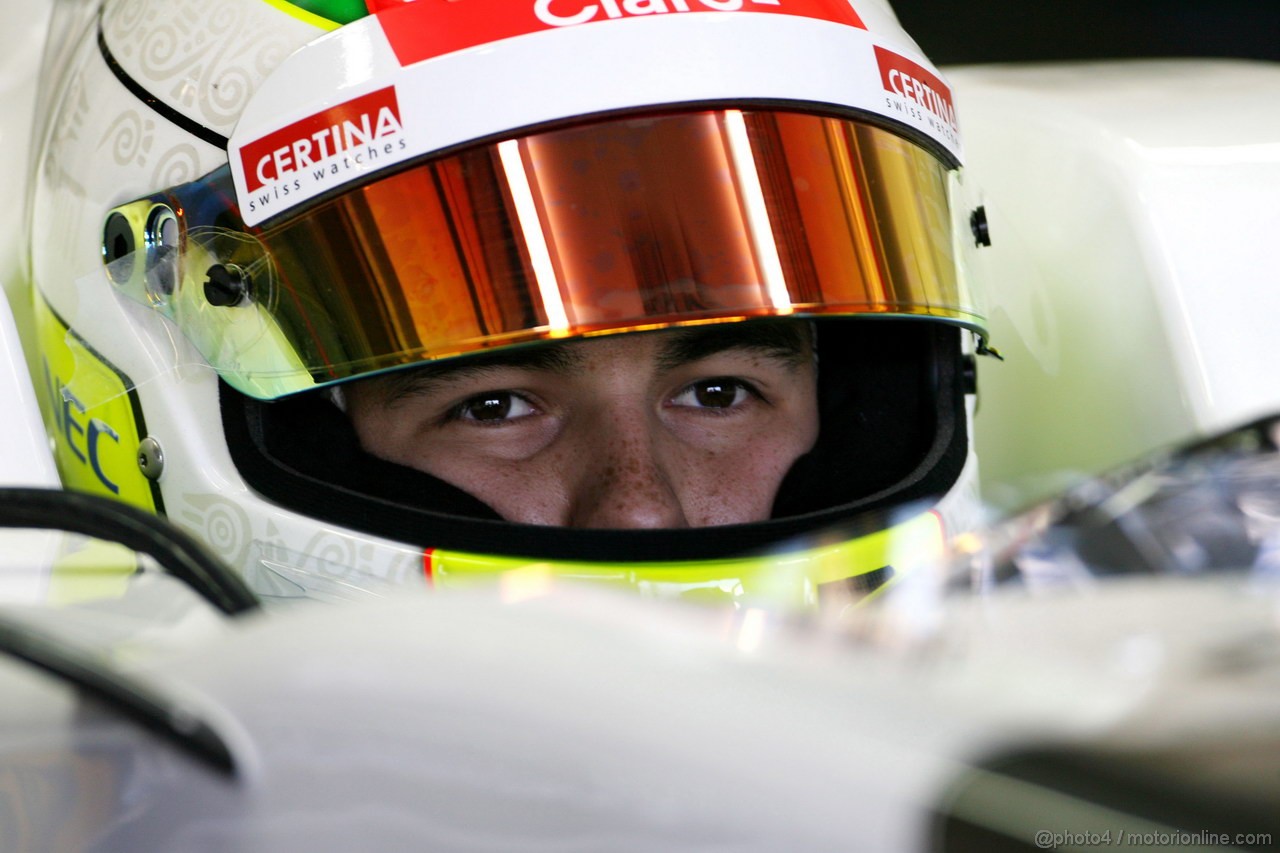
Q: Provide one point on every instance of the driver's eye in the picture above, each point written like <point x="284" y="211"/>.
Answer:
<point x="713" y="394"/>
<point x="495" y="406"/>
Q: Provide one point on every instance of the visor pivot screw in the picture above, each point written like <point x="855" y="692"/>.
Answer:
<point x="227" y="285"/>
<point x="150" y="458"/>
<point x="978" y="222"/>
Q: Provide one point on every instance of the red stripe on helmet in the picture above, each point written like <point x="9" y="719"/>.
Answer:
<point x="429" y="28"/>
<point x="429" y="566"/>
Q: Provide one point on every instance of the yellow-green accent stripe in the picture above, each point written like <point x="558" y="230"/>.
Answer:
<point x="304" y="15"/>
<point x="789" y="579"/>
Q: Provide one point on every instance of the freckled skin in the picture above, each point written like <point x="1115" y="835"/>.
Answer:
<point x="622" y="439"/>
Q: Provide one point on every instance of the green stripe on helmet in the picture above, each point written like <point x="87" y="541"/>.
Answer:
<point x="337" y="11"/>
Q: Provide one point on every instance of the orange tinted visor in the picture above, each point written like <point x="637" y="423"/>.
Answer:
<point x="626" y="224"/>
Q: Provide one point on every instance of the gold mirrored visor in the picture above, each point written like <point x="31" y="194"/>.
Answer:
<point x="626" y="224"/>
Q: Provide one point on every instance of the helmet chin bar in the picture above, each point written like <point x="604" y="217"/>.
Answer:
<point x="893" y="431"/>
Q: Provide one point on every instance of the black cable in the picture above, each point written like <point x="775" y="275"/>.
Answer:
<point x="113" y="521"/>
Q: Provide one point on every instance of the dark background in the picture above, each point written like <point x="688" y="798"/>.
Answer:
<point x="952" y="32"/>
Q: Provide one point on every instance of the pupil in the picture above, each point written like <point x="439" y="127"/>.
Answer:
<point x="716" y="395"/>
<point x="491" y="408"/>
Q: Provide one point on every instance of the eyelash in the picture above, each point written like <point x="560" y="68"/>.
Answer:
<point x="723" y="381"/>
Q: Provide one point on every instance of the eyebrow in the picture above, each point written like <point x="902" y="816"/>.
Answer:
<point x="556" y="357"/>
<point x="789" y="341"/>
<point x="786" y="340"/>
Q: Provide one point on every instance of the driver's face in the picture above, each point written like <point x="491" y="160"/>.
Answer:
<point x="681" y="428"/>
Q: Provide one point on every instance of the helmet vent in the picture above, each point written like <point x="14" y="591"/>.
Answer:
<point x="117" y="248"/>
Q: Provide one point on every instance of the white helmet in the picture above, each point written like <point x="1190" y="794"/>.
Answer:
<point x="299" y="197"/>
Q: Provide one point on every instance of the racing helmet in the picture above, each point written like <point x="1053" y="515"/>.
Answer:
<point x="240" y="206"/>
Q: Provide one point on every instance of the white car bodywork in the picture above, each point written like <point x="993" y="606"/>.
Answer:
<point x="1131" y="277"/>
<point x="571" y="722"/>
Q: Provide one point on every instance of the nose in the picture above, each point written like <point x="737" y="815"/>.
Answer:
<point x="626" y="480"/>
